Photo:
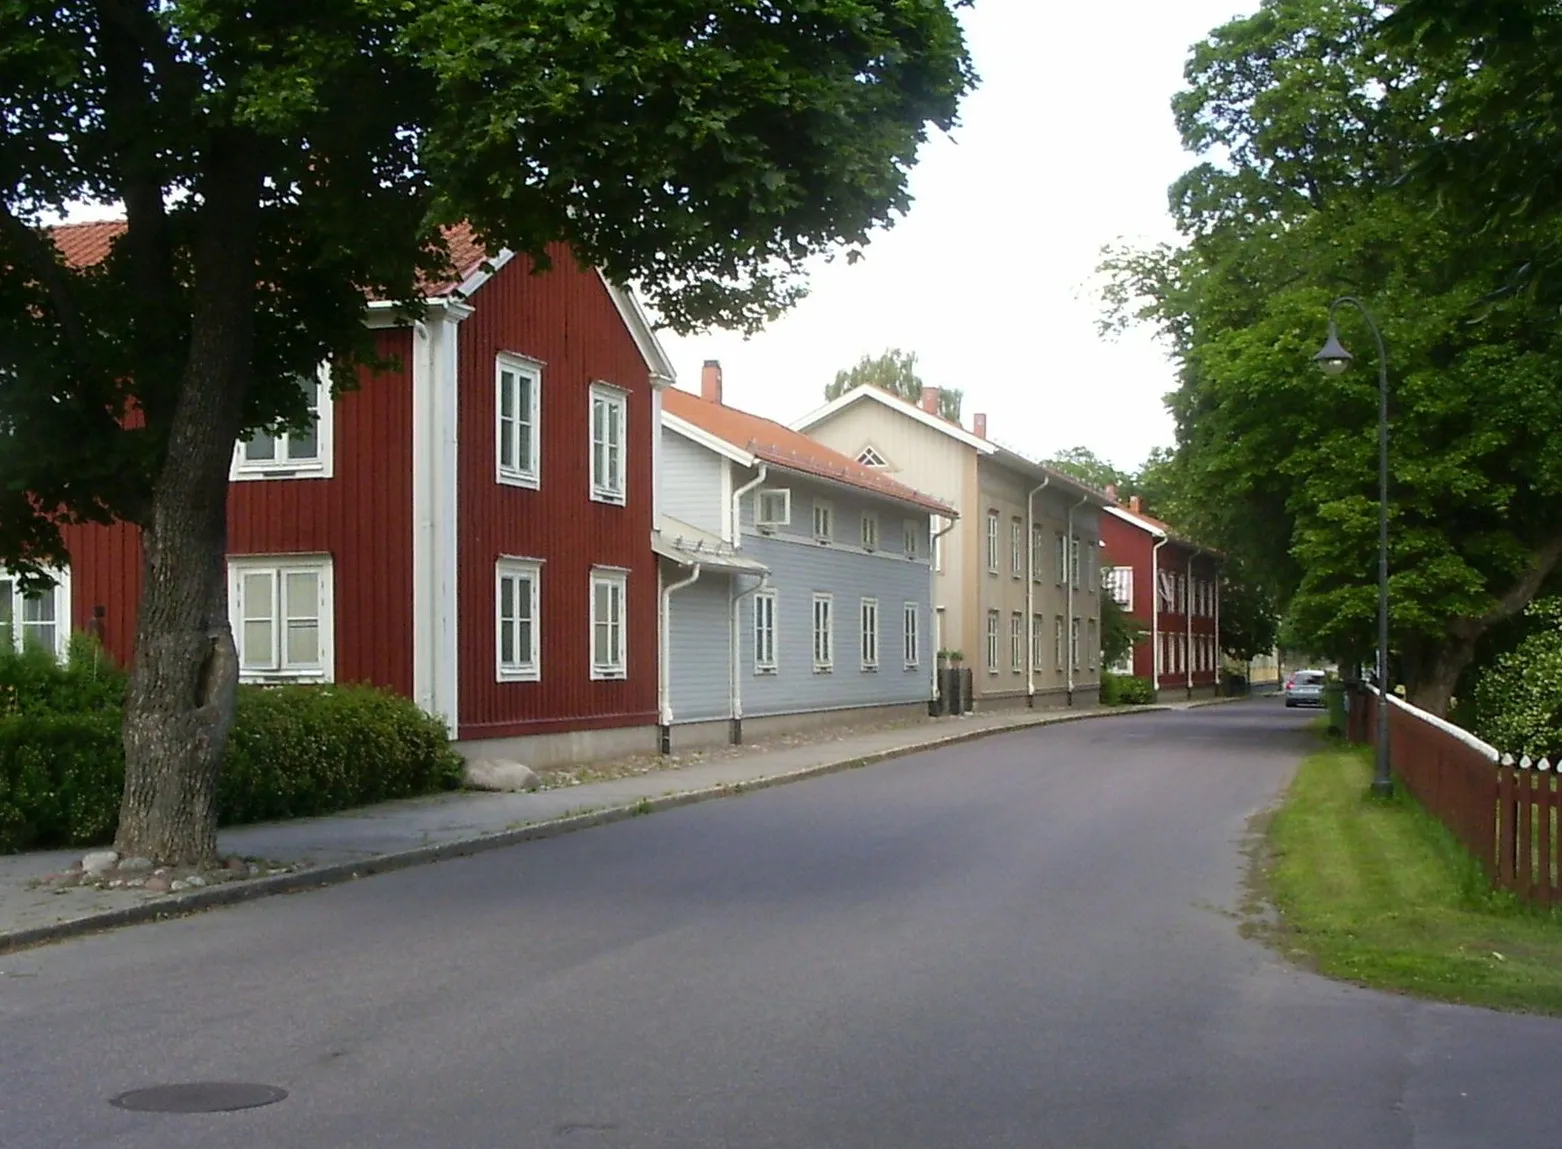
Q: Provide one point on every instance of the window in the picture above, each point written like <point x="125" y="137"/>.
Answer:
<point x="824" y="521"/>
<point x="869" y="457"/>
<point x="1073" y="644"/>
<point x="910" y="532"/>
<point x="911" y="638"/>
<point x="608" y="591"/>
<point x="1016" y="642"/>
<point x="519" y="387"/>
<point x="1037" y="625"/>
<point x="1073" y="562"/>
<point x="1061" y="557"/>
<point x="870" y="531"/>
<point x="824" y="634"/>
<point x="1057" y="641"/>
<point x="1182" y="594"/>
<point x="1037" y="551"/>
<point x="1017" y="548"/>
<point x="870" y="633"/>
<point x="1119" y="582"/>
<point x="1092" y="647"/>
<point x="774" y="509"/>
<point x="1092" y="578"/>
<point x="516" y="618"/>
<point x="1167" y="590"/>
<point x="765" y="632"/>
<point x="609" y="418"/>
<point x="992" y="542"/>
<point x="281" y="614"/>
<point x="992" y="642"/>
<point x="292" y="454"/>
<point x="35" y="621"/>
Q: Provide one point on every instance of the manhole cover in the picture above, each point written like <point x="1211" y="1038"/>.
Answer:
<point x="199" y="1097"/>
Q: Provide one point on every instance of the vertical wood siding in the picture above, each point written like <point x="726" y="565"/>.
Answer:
<point x="361" y="517"/>
<point x="566" y="320"/>
<point x="1128" y="546"/>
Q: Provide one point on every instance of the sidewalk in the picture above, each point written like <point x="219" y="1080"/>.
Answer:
<point x="374" y="839"/>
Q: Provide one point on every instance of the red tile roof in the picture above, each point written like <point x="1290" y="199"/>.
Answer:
<point x="784" y="447"/>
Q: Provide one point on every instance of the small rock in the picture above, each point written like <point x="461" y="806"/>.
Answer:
<point x="136" y="883"/>
<point x="498" y="774"/>
<point x="157" y="884"/>
<point x="135" y="865"/>
<point x="178" y="885"/>
<point x="195" y="880"/>
<point x="237" y="864"/>
<point x="116" y="883"/>
<point x="99" y="861"/>
<point x="254" y="870"/>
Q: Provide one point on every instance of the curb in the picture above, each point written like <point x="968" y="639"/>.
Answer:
<point x="337" y="873"/>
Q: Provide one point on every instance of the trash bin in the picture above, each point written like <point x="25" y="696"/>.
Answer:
<point x="1334" y="705"/>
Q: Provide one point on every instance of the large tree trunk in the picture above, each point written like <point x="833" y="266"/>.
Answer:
<point x="180" y="704"/>
<point x="1433" y="688"/>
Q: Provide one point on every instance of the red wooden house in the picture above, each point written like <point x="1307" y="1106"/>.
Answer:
<point x="1171" y="587"/>
<point x="471" y="529"/>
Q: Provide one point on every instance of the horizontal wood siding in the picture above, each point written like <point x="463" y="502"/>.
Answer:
<point x="361" y="517"/>
<point x="566" y="320"/>
<point x="691" y="483"/>
<point x="700" y="647"/>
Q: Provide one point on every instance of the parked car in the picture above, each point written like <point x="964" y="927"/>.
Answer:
<point x="1305" y="688"/>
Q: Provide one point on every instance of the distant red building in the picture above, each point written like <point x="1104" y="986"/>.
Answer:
<point x="471" y="529"/>
<point x="1171" y="586"/>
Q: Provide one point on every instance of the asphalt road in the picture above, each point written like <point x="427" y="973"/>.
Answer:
<point x="1026" y="942"/>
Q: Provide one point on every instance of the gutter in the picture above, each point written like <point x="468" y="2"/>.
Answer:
<point x="1073" y="557"/>
<point x="664" y="707"/>
<point x="1030" y="589"/>
<point x="735" y="676"/>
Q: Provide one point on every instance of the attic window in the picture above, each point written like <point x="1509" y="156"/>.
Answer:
<point x="869" y="457"/>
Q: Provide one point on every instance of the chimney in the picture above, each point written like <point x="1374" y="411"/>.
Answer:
<point x="979" y="426"/>
<point x="930" y="399"/>
<point x="1134" y="504"/>
<point x="1111" y="491"/>
<point x="710" y="380"/>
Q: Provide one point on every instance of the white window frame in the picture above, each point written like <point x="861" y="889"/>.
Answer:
<point x="765" y="632"/>
<point x="1016" y="547"/>
<point x="609" y="398"/>
<point x="911" y="531"/>
<point x="870" y="456"/>
<point x="868" y="619"/>
<point x="1016" y="641"/>
<point x="10" y="589"/>
<point x="529" y="573"/>
<point x="1073" y="561"/>
<point x="1060" y="556"/>
<point x="992" y="542"/>
<point x="275" y="667"/>
<point x="911" y="635"/>
<point x="322" y="466"/>
<point x="617" y="580"/>
<point x="766" y="517"/>
<point x="1120" y="585"/>
<point x="1073" y="641"/>
<point x="870" y="531"/>
<point x="1038" y="624"/>
<point x="528" y="422"/>
<point x="1038" y="551"/>
<point x="1057" y="642"/>
<point x="824" y="521"/>
<point x="992" y="642"/>
<point x="824" y="633"/>
<point x="1092" y="643"/>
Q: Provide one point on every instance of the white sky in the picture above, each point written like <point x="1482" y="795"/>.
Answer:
<point x="1068" y="144"/>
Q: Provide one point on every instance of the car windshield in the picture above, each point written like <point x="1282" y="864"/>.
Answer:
<point x="1309" y="678"/>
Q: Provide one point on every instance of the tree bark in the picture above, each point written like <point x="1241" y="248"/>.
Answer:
<point x="179" y="707"/>
<point x="1434" y="689"/>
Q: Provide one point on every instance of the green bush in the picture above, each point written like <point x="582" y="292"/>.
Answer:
<point x="33" y="681"/>
<point x="1125" y="690"/>
<point x="295" y="751"/>
<point x="1517" y="703"/>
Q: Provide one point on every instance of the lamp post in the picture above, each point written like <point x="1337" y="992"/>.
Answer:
<point x="1333" y="359"/>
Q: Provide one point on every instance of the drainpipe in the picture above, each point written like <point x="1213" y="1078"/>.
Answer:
<point x="1187" y="610"/>
<point x="1030" y="590"/>
<point x="932" y="594"/>
<point x="664" y="704"/>
<point x="737" y="504"/>
<point x="1155" y="618"/>
<point x="1068" y="581"/>
<point x="1220" y="658"/>
<point x="735" y="700"/>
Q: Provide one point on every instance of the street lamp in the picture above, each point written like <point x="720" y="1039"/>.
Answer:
<point x="1333" y="359"/>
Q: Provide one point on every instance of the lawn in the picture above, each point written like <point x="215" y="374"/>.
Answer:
<point x="1379" y="893"/>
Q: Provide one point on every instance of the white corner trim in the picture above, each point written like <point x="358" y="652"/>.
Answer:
<point x="1135" y="521"/>
<point x="482" y="275"/>
<point x="435" y="538"/>
<point x="910" y="410"/>
<point x="640" y="330"/>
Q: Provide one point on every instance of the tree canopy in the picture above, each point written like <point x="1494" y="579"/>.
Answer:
<point x="894" y="371"/>
<point x="1306" y="116"/>
<point x="276" y="163"/>
<point x="1088" y="467"/>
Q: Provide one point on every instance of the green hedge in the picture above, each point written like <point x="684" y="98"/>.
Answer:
<point x="295" y="751"/>
<point x="1125" y="690"/>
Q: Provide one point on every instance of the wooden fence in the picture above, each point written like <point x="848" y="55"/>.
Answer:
<point x="1503" y="811"/>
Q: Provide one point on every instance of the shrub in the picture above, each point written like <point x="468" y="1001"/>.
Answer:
<point x="1517" y="703"/>
<point x="1125" y="690"/>
<point x="294" y="751"/>
<point x="33" y="681"/>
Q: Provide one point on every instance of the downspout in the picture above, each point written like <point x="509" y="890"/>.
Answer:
<point x="1187" y="609"/>
<point x="1220" y="659"/>
<point x="1155" y="618"/>
<point x="664" y="662"/>
<point x="735" y="699"/>
<point x="1030" y="590"/>
<point x="932" y="597"/>
<point x="736" y="522"/>
<point x="1068" y="577"/>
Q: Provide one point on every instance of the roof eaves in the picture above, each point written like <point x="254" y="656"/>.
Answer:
<point x="905" y="497"/>
<point x="639" y="324"/>
<point x="708" y="439"/>
<point x="897" y="404"/>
